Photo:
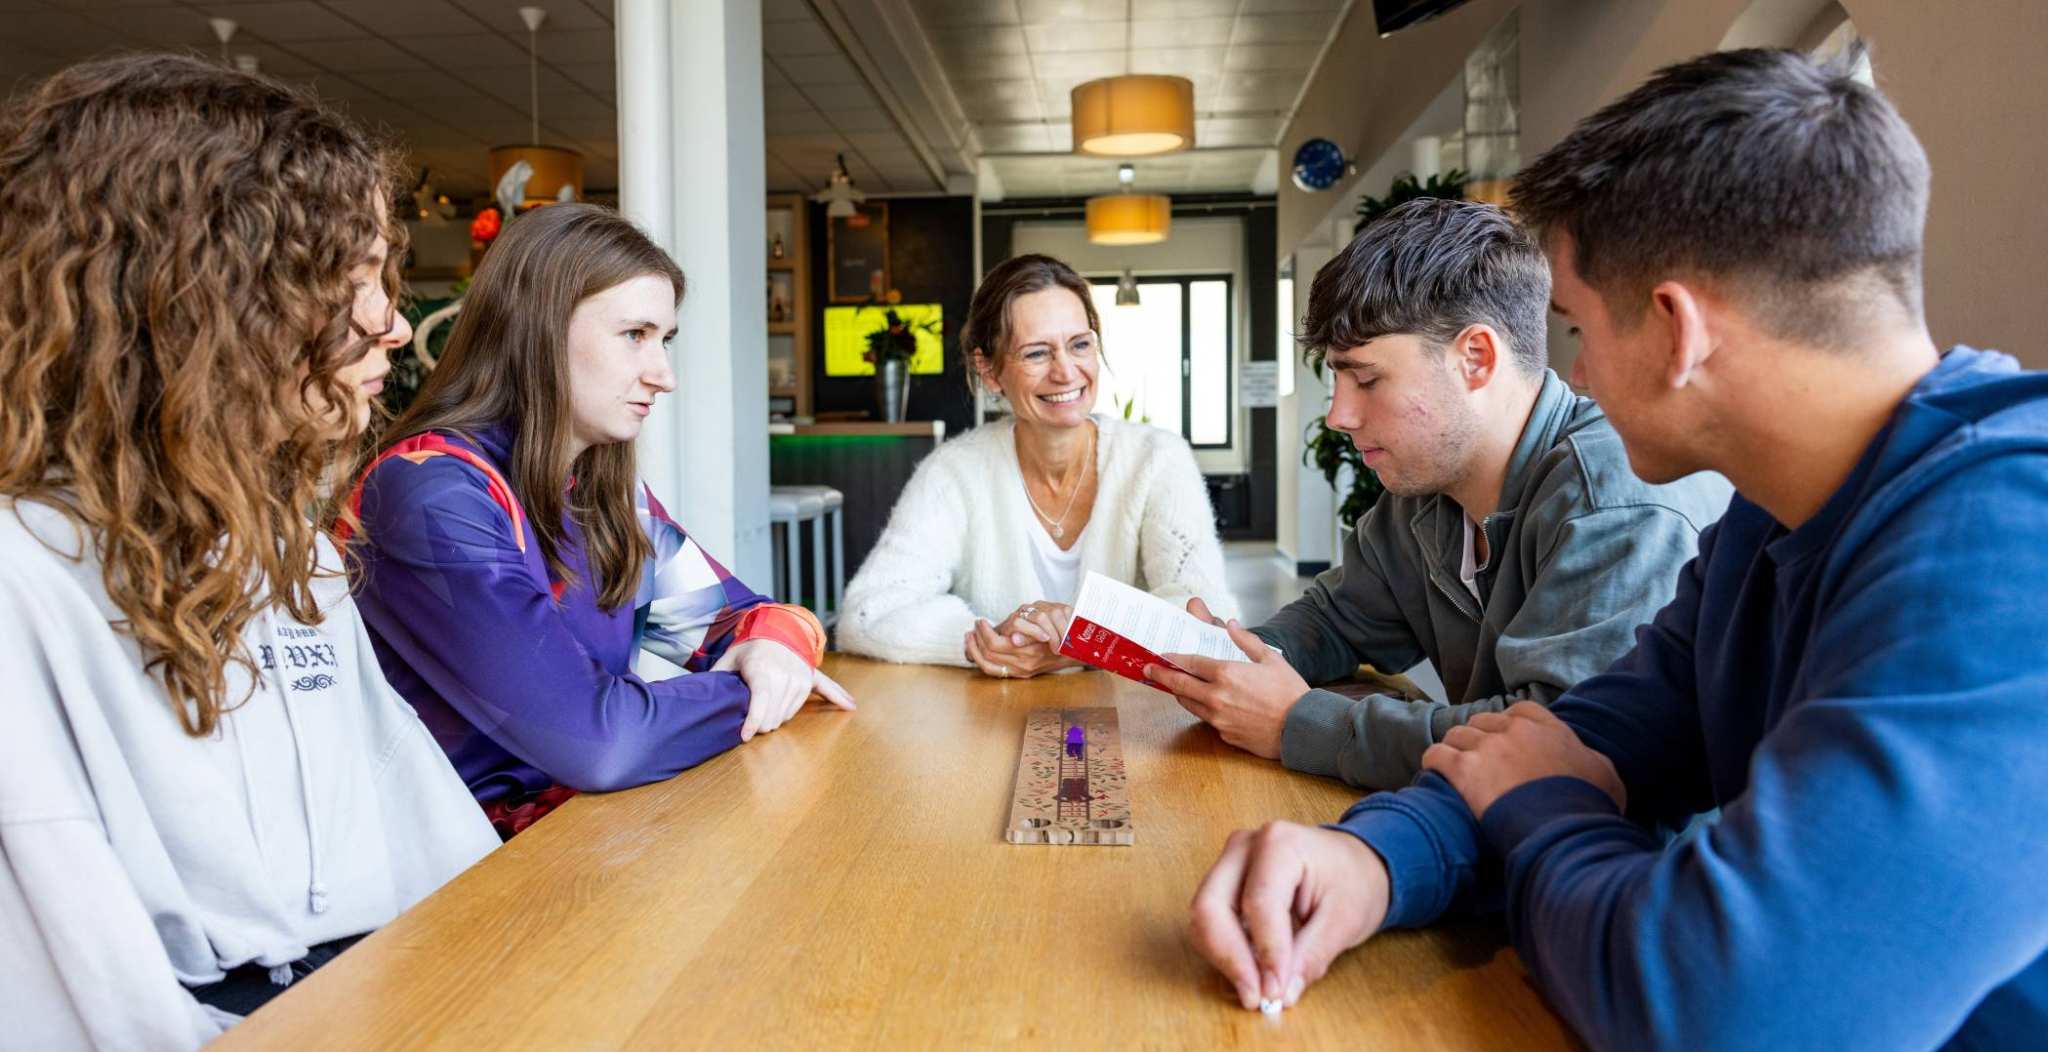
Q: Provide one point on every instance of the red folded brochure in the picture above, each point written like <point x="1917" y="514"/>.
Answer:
<point x="1120" y="629"/>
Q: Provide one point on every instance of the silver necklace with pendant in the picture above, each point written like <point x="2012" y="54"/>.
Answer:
<point x="1058" y="526"/>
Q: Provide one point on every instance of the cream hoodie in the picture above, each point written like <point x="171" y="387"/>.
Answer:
<point x="136" y="860"/>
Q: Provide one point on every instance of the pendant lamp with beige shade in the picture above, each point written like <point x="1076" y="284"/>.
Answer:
<point x="551" y="173"/>
<point x="1134" y="115"/>
<point x="1126" y="218"/>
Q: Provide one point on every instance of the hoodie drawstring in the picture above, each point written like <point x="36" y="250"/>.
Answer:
<point x="316" y="890"/>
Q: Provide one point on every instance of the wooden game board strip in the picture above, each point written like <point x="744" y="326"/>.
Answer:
<point x="1072" y="787"/>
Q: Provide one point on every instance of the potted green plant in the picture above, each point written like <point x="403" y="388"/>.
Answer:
<point x="890" y="349"/>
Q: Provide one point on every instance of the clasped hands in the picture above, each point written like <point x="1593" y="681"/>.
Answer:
<point x="1025" y="644"/>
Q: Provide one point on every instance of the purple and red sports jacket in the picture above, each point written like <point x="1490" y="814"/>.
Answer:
<point x="526" y="682"/>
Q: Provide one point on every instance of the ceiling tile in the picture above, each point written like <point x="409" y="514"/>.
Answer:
<point x="275" y="60"/>
<point x="511" y="83"/>
<point x="773" y="11"/>
<point x="886" y="149"/>
<point x="776" y="99"/>
<point x="338" y="88"/>
<point x="503" y="15"/>
<point x="1180" y="32"/>
<point x="1283" y="29"/>
<point x="600" y="78"/>
<point x="464" y="51"/>
<point x="1237" y="131"/>
<point x="1048" y="39"/>
<point x="58" y="25"/>
<point x="1256" y="57"/>
<point x="421" y="84"/>
<point x="966" y="12"/>
<point x="1157" y="9"/>
<point x="795" y="122"/>
<point x="1181" y="62"/>
<point x="1086" y="65"/>
<point x="165" y="27"/>
<point x="1275" y="6"/>
<point x="799" y="38"/>
<point x="360" y="55"/>
<point x="994" y="40"/>
<point x="397" y="19"/>
<point x="580" y="45"/>
<point x="1014" y="138"/>
<point x="989" y="67"/>
<point x="861" y="120"/>
<point x="1048" y="12"/>
<point x="287" y="21"/>
<point x="820" y="70"/>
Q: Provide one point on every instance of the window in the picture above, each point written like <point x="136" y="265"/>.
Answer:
<point x="1168" y="359"/>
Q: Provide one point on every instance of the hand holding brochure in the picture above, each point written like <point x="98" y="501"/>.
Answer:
<point x="1121" y="629"/>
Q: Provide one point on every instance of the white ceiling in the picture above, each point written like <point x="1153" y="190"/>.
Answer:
<point x="910" y="91"/>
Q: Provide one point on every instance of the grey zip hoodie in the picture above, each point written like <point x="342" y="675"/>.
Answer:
<point x="136" y="860"/>
<point x="1582" y="551"/>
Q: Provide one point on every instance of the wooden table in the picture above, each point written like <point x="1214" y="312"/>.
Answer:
<point x="844" y="882"/>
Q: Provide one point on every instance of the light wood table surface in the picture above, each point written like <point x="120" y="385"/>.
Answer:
<point x="844" y="882"/>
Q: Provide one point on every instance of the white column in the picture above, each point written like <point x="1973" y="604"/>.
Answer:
<point x="646" y="189"/>
<point x="1315" y="507"/>
<point x="698" y="182"/>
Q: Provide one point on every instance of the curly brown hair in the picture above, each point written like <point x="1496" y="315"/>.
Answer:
<point x="176" y="241"/>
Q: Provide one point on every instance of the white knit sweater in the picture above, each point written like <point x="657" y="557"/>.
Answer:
<point x="957" y="547"/>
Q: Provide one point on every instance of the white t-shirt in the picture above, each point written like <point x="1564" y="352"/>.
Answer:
<point x="1468" y="570"/>
<point x="1059" y="572"/>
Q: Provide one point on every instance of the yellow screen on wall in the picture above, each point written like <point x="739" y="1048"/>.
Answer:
<point x="846" y="337"/>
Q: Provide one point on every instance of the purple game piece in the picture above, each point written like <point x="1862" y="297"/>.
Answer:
<point x="1077" y="741"/>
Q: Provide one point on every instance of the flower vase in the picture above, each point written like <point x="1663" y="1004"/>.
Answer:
<point x="892" y="389"/>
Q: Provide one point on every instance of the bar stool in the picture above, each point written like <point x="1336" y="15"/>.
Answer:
<point x="821" y="506"/>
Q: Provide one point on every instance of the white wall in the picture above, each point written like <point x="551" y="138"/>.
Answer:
<point x="1306" y="531"/>
<point x="1195" y="246"/>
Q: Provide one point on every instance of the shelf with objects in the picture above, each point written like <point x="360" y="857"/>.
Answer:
<point x="789" y="308"/>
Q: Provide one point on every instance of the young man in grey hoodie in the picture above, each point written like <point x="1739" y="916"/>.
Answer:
<point x="1513" y="548"/>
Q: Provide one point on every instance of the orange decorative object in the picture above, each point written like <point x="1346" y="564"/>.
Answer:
<point x="484" y="228"/>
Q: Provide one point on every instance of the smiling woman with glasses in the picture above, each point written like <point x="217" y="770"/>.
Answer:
<point x="987" y="546"/>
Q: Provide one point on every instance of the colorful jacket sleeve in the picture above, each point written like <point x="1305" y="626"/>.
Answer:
<point x="447" y="585"/>
<point x="692" y="606"/>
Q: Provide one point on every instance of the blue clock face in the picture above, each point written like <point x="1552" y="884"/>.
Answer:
<point x="1318" y="164"/>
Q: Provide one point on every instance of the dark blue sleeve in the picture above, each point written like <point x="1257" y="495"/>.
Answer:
<point x="1641" y="713"/>
<point x="1876" y="878"/>
<point x="446" y="586"/>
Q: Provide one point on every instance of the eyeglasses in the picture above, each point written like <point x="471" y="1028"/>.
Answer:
<point x="1037" y="359"/>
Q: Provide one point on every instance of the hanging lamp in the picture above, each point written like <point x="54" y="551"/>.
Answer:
<point x="839" y="197"/>
<point x="554" y="173"/>
<point x="1125" y="218"/>
<point x="1134" y="115"/>
<point x="1127" y="289"/>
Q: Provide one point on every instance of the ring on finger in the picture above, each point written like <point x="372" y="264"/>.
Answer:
<point x="1003" y="671"/>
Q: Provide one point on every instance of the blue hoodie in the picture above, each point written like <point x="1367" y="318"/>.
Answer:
<point x="1865" y="698"/>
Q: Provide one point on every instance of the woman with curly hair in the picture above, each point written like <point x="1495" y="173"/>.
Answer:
<point x="207" y="788"/>
<point x="515" y="564"/>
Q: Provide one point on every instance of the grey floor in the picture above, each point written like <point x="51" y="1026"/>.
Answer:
<point x="1264" y="582"/>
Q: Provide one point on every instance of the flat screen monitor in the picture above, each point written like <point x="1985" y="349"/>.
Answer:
<point x="847" y="329"/>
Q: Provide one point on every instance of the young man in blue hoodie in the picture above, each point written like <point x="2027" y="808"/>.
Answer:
<point x="1851" y="671"/>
